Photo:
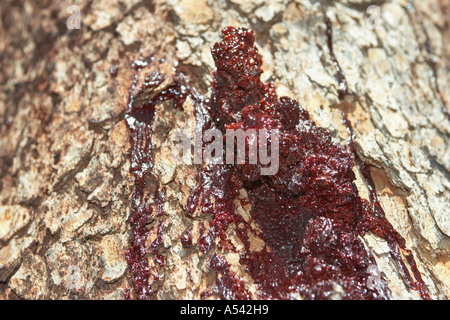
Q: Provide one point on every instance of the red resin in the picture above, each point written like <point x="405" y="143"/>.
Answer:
<point x="186" y="239"/>
<point x="140" y="120"/>
<point x="310" y="214"/>
<point x="398" y="242"/>
<point x="343" y="89"/>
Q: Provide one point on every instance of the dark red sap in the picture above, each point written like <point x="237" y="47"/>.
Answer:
<point x="310" y="213"/>
<point x="140" y="118"/>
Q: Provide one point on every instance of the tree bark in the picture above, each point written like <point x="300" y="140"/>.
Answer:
<point x="65" y="182"/>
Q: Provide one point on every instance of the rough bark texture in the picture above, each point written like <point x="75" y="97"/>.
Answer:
<point x="65" y="182"/>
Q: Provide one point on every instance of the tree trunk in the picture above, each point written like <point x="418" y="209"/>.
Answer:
<point x="67" y="186"/>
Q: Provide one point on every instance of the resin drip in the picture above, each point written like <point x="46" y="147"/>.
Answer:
<point x="310" y="214"/>
<point x="395" y="241"/>
<point x="140" y="117"/>
<point x="343" y="89"/>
